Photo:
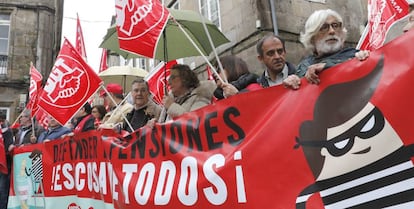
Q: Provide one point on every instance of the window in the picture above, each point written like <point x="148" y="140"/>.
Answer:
<point x="4" y="33"/>
<point x="211" y="10"/>
<point x="141" y="63"/>
<point x="5" y="113"/>
<point x="4" y="41"/>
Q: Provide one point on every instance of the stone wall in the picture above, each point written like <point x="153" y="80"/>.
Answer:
<point x="35" y="33"/>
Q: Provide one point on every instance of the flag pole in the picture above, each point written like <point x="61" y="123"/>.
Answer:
<point x="117" y="106"/>
<point x="213" y="47"/>
<point x="163" y="110"/>
<point x="198" y="49"/>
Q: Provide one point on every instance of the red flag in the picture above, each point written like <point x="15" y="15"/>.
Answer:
<point x="381" y="15"/>
<point x="139" y="25"/>
<point x="157" y="80"/>
<point x="104" y="64"/>
<point x="41" y="117"/>
<point x="34" y="90"/>
<point x="3" y="161"/>
<point x="80" y="44"/>
<point x="69" y="86"/>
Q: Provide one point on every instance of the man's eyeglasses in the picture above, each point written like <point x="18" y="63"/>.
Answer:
<point x="366" y="128"/>
<point x="335" y="25"/>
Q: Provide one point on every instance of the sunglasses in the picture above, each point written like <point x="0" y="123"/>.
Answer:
<point x="366" y="128"/>
<point x="335" y="25"/>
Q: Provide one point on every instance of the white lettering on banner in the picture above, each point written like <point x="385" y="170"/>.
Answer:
<point x="80" y="169"/>
<point x="87" y="176"/>
<point x="128" y="169"/>
<point x="78" y="175"/>
<point x="188" y="163"/>
<point x="145" y="180"/>
<point x="66" y="169"/>
<point x="102" y="179"/>
<point x="162" y="185"/>
<point x="241" y="190"/>
<point x="221" y="195"/>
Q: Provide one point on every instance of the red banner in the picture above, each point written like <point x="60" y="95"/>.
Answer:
<point x="341" y="144"/>
<point x="69" y="86"/>
<point x="139" y="25"/>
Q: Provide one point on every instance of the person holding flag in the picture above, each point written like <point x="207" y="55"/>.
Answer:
<point x="118" y="107"/>
<point x="83" y="120"/>
<point x="238" y="75"/>
<point x="28" y="130"/>
<point x="54" y="131"/>
<point x="145" y="111"/>
<point x="187" y="92"/>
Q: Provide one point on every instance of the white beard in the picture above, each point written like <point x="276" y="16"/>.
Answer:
<point x="322" y="47"/>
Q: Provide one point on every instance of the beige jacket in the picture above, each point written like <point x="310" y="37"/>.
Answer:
<point x="199" y="97"/>
<point x="109" y="122"/>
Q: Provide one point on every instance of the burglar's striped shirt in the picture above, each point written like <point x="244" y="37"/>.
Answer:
<point x="387" y="183"/>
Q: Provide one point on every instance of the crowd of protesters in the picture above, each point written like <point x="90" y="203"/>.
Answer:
<point x="323" y="35"/>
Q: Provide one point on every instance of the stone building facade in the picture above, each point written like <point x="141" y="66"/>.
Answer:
<point x="30" y="31"/>
<point x="244" y="22"/>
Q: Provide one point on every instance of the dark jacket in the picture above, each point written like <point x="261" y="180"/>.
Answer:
<point x="27" y="134"/>
<point x="139" y="117"/>
<point x="88" y="125"/>
<point x="241" y="84"/>
<point x="330" y="60"/>
<point x="263" y="81"/>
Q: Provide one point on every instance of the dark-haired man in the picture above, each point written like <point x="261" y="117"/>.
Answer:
<point x="272" y="53"/>
<point x="84" y="121"/>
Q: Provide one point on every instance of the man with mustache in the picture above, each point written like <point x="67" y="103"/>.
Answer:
<point x="271" y="52"/>
<point x="324" y="36"/>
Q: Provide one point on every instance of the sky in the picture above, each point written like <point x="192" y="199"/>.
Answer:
<point x="95" y="17"/>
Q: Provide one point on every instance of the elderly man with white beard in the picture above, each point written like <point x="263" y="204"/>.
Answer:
<point x="324" y="36"/>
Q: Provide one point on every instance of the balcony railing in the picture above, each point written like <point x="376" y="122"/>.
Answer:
<point x="3" y="65"/>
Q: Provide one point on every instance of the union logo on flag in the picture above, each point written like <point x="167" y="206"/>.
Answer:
<point x="139" y="24"/>
<point x="70" y="84"/>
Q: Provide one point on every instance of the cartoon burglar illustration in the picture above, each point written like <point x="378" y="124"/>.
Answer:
<point x="357" y="158"/>
<point x="36" y="171"/>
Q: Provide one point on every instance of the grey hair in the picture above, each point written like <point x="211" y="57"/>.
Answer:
<point x="26" y="112"/>
<point x="313" y="25"/>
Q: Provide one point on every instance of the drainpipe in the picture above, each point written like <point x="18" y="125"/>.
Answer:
<point x="274" y="19"/>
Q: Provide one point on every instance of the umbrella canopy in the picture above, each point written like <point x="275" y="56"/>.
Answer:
<point x="123" y="75"/>
<point x="177" y="44"/>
